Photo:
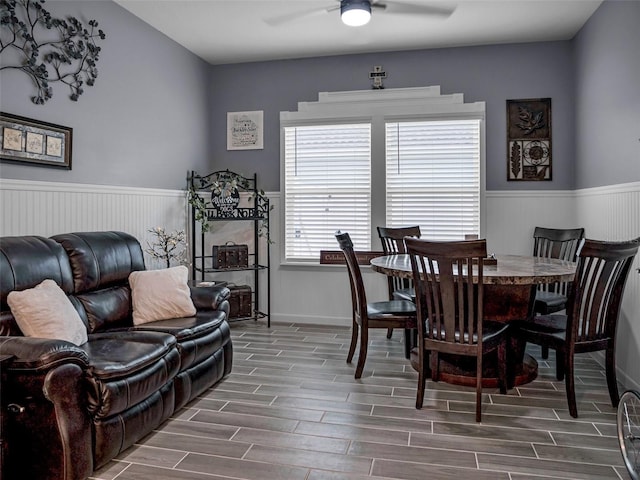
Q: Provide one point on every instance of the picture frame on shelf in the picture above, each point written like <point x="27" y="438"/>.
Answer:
<point x="28" y="141"/>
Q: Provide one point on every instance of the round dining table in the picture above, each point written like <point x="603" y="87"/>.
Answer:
<point x="509" y="292"/>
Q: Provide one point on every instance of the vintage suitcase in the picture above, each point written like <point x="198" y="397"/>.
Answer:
<point x="230" y="255"/>
<point x="240" y="301"/>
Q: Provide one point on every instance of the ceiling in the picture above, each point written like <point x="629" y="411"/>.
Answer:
<point x="236" y="31"/>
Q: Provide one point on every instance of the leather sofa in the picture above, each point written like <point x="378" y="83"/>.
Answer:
<point x="67" y="410"/>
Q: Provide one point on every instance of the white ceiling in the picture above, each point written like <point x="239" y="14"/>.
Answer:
<point x="235" y="31"/>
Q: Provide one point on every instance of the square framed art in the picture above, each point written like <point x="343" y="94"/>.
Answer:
<point x="529" y="140"/>
<point x="245" y="130"/>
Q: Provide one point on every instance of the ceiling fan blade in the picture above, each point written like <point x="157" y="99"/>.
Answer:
<point x="294" y="16"/>
<point x="393" y="6"/>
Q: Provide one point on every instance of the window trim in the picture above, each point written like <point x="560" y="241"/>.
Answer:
<point x="378" y="107"/>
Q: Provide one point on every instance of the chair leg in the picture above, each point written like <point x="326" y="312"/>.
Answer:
<point x="612" y="381"/>
<point x="479" y="389"/>
<point x="389" y="332"/>
<point x="423" y="369"/>
<point x="364" y="340"/>
<point x="517" y="345"/>
<point x="560" y="365"/>
<point x="569" y="383"/>
<point x="354" y="341"/>
<point x="407" y="342"/>
<point x="435" y="366"/>
<point x="502" y="367"/>
<point x="545" y="351"/>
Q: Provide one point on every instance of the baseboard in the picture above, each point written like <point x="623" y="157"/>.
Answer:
<point x="623" y="379"/>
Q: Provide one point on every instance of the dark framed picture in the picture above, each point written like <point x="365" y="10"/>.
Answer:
<point x="529" y="139"/>
<point x="24" y="140"/>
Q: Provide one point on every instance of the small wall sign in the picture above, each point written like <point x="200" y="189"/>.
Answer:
<point x="245" y="130"/>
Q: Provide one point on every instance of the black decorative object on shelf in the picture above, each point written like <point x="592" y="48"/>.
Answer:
<point x="225" y="187"/>
<point x="48" y="49"/>
<point x="228" y="196"/>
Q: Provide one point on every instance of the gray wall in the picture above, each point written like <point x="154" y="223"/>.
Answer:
<point x="490" y="73"/>
<point x="608" y="96"/>
<point x="146" y="121"/>
<point x="158" y="111"/>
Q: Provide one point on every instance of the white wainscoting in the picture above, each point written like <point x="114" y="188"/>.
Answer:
<point x="613" y="213"/>
<point x="320" y="294"/>
<point x="47" y="208"/>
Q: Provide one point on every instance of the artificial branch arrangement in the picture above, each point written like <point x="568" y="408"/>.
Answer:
<point x="167" y="246"/>
<point x="28" y="43"/>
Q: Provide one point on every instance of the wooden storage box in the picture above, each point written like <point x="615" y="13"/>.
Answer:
<point x="240" y="301"/>
<point x="230" y="255"/>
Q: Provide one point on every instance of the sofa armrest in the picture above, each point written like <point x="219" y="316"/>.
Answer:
<point x="48" y="430"/>
<point x="209" y="297"/>
<point x="41" y="354"/>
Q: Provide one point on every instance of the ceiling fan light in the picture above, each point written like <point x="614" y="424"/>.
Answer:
<point x="355" y="13"/>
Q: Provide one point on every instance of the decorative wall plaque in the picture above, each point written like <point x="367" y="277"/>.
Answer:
<point x="245" y="130"/>
<point x="529" y="139"/>
<point x="24" y="140"/>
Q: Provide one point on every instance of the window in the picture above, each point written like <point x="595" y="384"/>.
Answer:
<point x="433" y="177"/>
<point x="356" y="160"/>
<point x="328" y="179"/>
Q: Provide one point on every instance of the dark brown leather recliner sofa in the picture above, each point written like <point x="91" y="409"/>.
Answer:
<point x="67" y="410"/>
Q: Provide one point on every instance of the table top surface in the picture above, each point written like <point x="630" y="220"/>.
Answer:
<point x="510" y="269"/>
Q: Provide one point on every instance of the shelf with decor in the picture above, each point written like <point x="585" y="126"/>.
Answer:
<point x="226" y="196"/>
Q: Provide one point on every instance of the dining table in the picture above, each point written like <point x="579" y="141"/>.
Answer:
<point x="510" y="286"/>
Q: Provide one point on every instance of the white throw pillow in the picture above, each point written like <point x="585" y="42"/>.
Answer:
<point x="45" y="311"/>
<point x="160" y="294"/>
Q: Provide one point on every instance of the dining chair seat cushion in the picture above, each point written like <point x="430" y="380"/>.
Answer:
<point x="554" y="326"/>
<point x="549" y="302"/>
<point x="491" y="331"/>
<point x="408" y="294"/>
<point x="391" y="307"/>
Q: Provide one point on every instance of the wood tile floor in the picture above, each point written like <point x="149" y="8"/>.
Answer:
<point x="291" y="410"/>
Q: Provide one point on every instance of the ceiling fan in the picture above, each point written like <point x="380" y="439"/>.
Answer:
<point x="356" y="13"/>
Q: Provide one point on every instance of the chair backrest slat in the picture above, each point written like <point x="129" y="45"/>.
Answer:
<point x="448" y="278"/>
<point x="601" y="275"/>
<point x="392" y="239"/>
<point x="358" y="295"/>
<point x="563" y="244"/>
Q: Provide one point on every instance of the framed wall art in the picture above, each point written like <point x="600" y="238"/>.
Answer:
<point x="24" y="140"/>
<point x="245" y="130"/>
<point x="529" y="139"/>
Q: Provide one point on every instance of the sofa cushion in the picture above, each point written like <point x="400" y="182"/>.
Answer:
<point x="101" y="259"/>
<point x="198" y="336"/>
<point x="126" y="367"/>
<point x="45" y="311"/>
<point x="160" y="295"/>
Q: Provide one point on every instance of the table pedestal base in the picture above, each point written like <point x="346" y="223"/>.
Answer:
<point x="462" y="370"/>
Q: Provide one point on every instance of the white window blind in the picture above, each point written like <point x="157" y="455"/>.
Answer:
<point x="433" y="177"/>
<point x="327" y="188"/>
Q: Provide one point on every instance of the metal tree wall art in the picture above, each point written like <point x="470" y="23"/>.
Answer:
<point x="48" y="49"/>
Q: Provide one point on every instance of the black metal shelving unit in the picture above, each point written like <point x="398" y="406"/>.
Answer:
<point x="218" y="195"/>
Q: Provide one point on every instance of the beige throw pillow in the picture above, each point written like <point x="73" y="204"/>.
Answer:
<point x="45" y="311"/>
<point x="160" y="294"/>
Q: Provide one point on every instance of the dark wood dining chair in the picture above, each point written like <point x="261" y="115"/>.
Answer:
<point x="392" y="240"/>
<point x="593" y="307"/>
<point x="450" y="310"/>
<point x="365" y="315"/>
<point x="562" y="243"/>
